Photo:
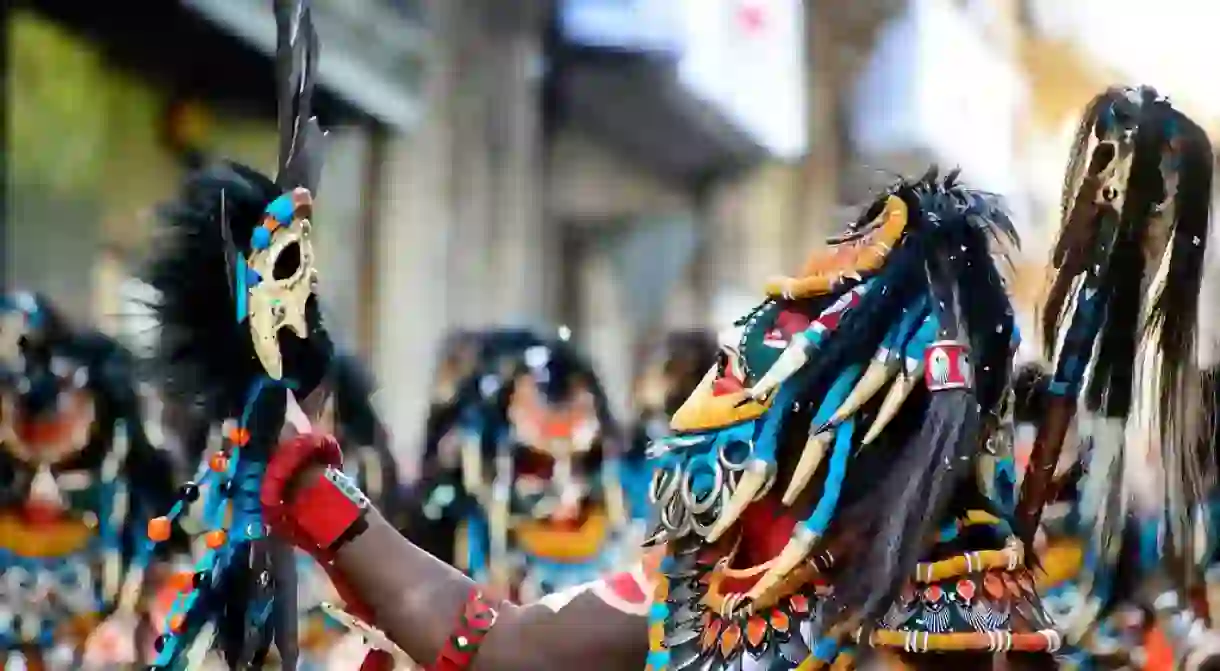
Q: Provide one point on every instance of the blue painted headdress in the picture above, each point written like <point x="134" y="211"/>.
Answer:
<point x="240" y="329"/>
<point x="857" y="397"/>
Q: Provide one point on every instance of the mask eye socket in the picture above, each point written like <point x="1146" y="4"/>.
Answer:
<point x="1102" y="156"/>
<point x="287" y="263"/>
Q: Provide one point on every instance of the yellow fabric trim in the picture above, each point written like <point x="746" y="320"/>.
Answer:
<point x="1060" y="563"/>
<point x="656" y="630"/>
<point x="971" y="562"/>
<point x="974" y="641"/>
<point x="56" y="539"/>
<point x="540" y="538"/>
<point x="976" y="517"/>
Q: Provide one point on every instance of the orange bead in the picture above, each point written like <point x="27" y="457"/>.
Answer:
<point x="182" y="581"/>
<point x="219" y="462"/>
<point x="270" y="223"/>
<point x="239" y="436"/>
<point x="175" y="623"/>
<point x="215" y="539"/>
<point x="158" y="529"/>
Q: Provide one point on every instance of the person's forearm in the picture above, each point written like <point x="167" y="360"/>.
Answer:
<point x="415" y="598"/>
<point x="428" y="609"/>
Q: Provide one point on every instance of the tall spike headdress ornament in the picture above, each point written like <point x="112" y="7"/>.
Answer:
<point x="240" y="330"/>
<point x="1120" y="329"/>
<point x="826" y="476"/>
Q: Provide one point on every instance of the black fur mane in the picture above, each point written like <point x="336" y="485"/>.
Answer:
<point x="907" y="482"/>
<point x="1117" y="248"/>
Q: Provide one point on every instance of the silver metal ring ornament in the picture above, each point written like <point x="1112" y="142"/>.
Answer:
<point x="691" y="498"/>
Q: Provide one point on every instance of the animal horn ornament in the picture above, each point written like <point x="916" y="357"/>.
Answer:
<point x="240" y="331"/>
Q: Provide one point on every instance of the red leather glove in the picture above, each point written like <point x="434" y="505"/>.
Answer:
<point x="296" y="468"/>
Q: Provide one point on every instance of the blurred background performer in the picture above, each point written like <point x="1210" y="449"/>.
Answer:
<point x="522" y="472"/>
<point x="79" y="481"/>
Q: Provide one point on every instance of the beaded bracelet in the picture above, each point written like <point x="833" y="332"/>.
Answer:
<point x="478" y="616"/>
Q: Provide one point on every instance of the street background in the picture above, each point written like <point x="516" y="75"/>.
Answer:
<point x="618" y="167"/>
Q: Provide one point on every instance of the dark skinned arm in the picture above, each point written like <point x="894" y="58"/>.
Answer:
<point x="416" y="599"/>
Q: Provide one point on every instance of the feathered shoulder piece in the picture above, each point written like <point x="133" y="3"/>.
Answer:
<point x="240" y="328"/>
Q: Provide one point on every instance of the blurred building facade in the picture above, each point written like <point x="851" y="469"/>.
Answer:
<point x="104" y="116"/>
<point x="621" y="167"/>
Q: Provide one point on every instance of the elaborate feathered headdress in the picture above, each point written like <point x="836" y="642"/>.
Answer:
<point x="239" y="330"/>
<point x="896" y="347"/>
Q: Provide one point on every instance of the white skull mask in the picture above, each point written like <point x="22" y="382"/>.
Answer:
<point x="284" y="278"/>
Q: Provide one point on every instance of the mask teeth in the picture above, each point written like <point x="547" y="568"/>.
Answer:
<point x="903" y="385"/>
<point x="794" y="357"/>
<point x="875" y="377"/>
<point x="793" y="555"/>
<point x="754" y="483"/>
<point x="811" y="457"/>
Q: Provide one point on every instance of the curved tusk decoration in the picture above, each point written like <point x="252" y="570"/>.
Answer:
<point x="878" y="373"/>
<point x="802" y="344"/>
<point x="811" y="458"/>
<point x="753" y="485"/>
<point x="903" y="385"/>
<point x="794" y="357"/>
<point x="791" y="288"/>
<point x="793" y="554"/>
<point x="849" y="258"/>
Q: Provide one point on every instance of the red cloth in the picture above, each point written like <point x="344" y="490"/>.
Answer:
<point x="1159" y="654"/>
